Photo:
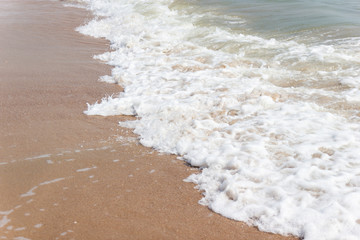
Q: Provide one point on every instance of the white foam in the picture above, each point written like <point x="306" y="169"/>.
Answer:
<point x="267" y="121"/>
<point x="4" y="221"/>
<point x="39" y="157"/>
<point x="39" y="225"/>
<point x="30" y="192"/>
<point x="6" y="212"/>
<point x="86" y="169"/>
<point x="20" y="229"/>
<point x="52" y="181"/>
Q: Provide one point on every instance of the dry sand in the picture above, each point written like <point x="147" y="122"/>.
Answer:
<point x="65" y="175"/>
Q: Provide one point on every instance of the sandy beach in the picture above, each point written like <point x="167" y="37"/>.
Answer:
<point x="66" y="175"/>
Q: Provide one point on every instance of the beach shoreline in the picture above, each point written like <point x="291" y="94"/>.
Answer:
<point x="65" y="175"/>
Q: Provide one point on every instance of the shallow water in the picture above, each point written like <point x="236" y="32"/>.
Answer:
<point x="281" y="18"/>
<point x="262" y="95"/>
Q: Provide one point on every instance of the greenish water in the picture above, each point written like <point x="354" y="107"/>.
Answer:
<point x="284" y="18"/>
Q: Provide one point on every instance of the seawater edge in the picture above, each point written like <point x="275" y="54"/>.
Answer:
<point x="47" y="143"/>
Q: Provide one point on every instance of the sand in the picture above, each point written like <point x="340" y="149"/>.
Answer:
<point x="65" y="175"/>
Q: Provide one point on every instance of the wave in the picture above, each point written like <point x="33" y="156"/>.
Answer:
<point x="273" y="124"/>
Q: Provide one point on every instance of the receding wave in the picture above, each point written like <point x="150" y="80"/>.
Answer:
<point x="272" y="123"/>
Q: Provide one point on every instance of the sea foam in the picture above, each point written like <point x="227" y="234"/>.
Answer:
<point x="273" y="124"/>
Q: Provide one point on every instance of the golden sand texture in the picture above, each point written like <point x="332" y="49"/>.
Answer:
<point x="65" y="175"/>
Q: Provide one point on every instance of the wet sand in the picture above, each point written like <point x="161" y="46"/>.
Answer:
<point x="65" y="175"/>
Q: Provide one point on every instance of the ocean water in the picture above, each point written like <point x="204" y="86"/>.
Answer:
<point x="262" y="95"/>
